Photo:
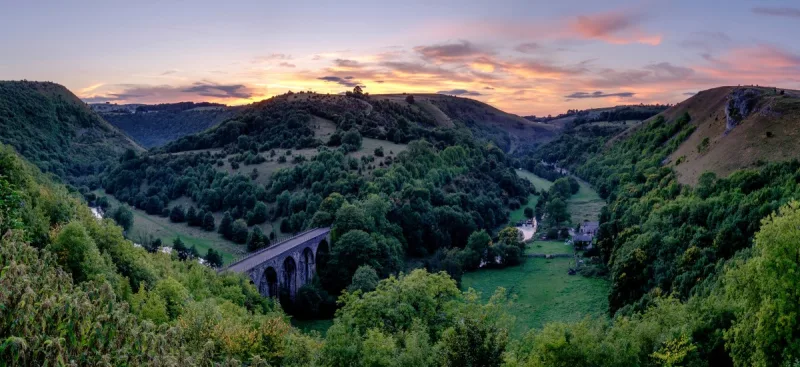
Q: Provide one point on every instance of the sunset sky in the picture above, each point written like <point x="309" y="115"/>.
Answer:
<point x="526" y="57"/>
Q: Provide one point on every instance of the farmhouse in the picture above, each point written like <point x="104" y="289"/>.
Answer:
<point x="589" y="228"/>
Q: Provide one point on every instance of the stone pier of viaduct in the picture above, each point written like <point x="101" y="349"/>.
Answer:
<point x="286" y="265"/>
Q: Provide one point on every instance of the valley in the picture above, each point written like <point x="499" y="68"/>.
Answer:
<point x="641" y="228"/>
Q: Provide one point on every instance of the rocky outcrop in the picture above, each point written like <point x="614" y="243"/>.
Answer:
<point x="741" y="103"/>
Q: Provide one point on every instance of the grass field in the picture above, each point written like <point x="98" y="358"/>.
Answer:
<point x="145" y="225"/>
<point x="543" y="292"/>
<point x="519" y="214"/>
<point x="538" y="182"/>
<point x="548" y="247"/>
<point x="585" y="205"/>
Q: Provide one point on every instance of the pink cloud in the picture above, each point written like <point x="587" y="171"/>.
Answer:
<point x="613" y="27"/>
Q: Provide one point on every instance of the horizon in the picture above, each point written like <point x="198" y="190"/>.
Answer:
<point x="524" y="58"/>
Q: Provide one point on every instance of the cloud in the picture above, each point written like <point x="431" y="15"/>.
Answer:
<point x="459" y="92"/>
<point x="273" y="57"/>
<point x="198" y="91"/>
<point x="169" y="72"/>
<point x="614" y="27"/>
<point x="219" y="90"/>
<point x="347" y="64"/>
<point x="287" y="64"/>
<point x="652" y="74"/>
<point x="689" y="93"/>
<point x="450" y="52"/>
<point x="706" y="41"/>
<point x="527" y="48"/>
<point x="347" y="81"/>
<point x="542" y="69"/>
<point x="599" y="94"/>
<point x="777" y="12"/>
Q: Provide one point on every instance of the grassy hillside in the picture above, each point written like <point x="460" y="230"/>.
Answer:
<point x="155" y="125"/>
<point x="55" y="130"/>
<point x="737" y="127"/>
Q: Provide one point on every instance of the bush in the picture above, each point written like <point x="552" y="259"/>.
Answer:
<point x="123" y="216"/>
<point x="239" y="231"/>
<point x="177" y="215"/>
<point x="379" y="152"/>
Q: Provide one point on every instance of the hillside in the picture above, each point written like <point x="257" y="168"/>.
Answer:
<point x="737" y="127"/>
<point x="361" y="164"/>
<point x="393" y="118"/>
<point x="155" y="125"/>
<point x="55" y="130"/>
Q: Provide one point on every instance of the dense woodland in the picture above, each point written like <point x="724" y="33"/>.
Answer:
<point x="155" y="125"/>
<point x="53" y="129"/>
<point x="702" y="275"/>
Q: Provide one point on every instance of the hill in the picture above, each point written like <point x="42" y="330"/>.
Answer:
<point x="604" y="114"/>
<point x="55" y="130"/>
<point x="737" y="127"/>
<point x="394" y="118"/>
<point x="155" y="125"/>
<point x="418" y="182"/>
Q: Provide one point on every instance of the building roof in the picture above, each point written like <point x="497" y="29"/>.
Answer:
<point x="589" y="226"/>
<point x="582" y="238"/>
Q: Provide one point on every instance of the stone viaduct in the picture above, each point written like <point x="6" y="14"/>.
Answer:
<point x="285" y="265"/>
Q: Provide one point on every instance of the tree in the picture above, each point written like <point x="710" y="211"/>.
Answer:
<point x="154" y="205"/>
<point x="352" y="138"/>
<point x="379" y="152"/>
<point x="192" y="217"/>
<point x="177" y="215"/>
<point x="528" y="212"/>
<point x="239" y="231"/>
<point x="208" y="222"/>
<point x="511" y="236"/>
<point x="410" y="99"/>
<point x="349" y="217"/>
<point x="477" y="246"/>
<point x="256" y="240"/>
<point x="365" y="279"/>
<point x="557" y="211"/>
<point x="180" y="248"/>
<point x="213" y="258"/>
<point x="77" y="252"/>
<point x="123" y="215"/>
<point x="226" y="225"/>
<point x="765" y="330"/>
<point x="258" y="215"/>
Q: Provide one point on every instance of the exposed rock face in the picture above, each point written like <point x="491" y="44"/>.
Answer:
<point x="741" y="103"/>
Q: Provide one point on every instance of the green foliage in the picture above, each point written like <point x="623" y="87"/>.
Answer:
<point x="77" y="252"/>
<point x="365" y="280"/>
<point x="256" y="240"/>
<point x="226" y="225"/>
<point x="181" y="313"/>
<point x="416" y="320"/>
<point x="208" y="222"/>
<point x="54" y="130"/>
<point x="766" y="327"/>
<point x="123" y="215"/>
<point x="155" y="125"/>
<point x="239" y="231"/>
<point x="213" y="258"/>
<point x="177" y="214"/>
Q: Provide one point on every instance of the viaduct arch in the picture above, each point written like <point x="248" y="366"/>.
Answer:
<point x="285" y="266"/>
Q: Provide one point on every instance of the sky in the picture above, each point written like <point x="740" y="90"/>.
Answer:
<point x="526" y="57"/>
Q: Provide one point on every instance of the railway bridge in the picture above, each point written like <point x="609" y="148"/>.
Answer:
<point x="286" y="265"/>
